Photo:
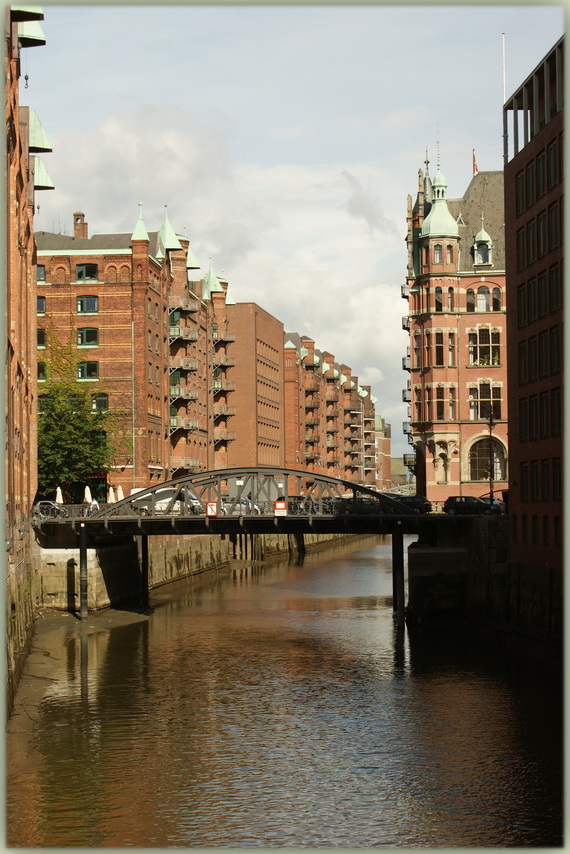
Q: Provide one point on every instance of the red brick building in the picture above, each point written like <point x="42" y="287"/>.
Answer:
<point x="25" y="174"/>
<point x="534" y="201"/>
<point x="455" y="289"/>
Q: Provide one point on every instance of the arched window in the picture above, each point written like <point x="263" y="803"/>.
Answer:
<point x="426" y="255"/>
<point x="449" y="253"/>
<point x="428" y="349"/>
<point x="450" y="299"/>
<point x="496" y="299"/>
<point x="438" y="299"/>
<point x="439" y="349"/>
<point x="482" y="253"/>
<point x="483" y="299"/>
<point x="485" y="457"/>
<point x="470" y="300"/>
<point x="438" y="253"/>
<point x="417" y="350"/>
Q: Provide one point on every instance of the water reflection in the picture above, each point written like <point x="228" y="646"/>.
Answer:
<point x="283" y="707"/>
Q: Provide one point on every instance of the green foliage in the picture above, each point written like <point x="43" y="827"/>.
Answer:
<point x="75" y="442"/>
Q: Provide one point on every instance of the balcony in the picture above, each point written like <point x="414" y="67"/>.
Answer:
<point x="222" y="385"/>
<point x="406" y="427"/>
<point x="332" y="428"/>
<point x="183" y="303"/>
<point x="182" y="422"/>
<point x="406" y="323"/>
<point x="332" y="443"/>
<point x="332" y="395"/>
<point x="220" y="410"/>
<point x="222" y="359"/>
<point x="311" y="439"/>
<point x="183" y="364"/>
<point x="407" y="395"/>
<point x="183" y="332"/>
<point x="410" y="461"/>
<point x="223" y="335"/>
<point x="405" y="291"/>
<point x="311" y="404"/>
<point x="184" y="463"/>
<point x="183" y="391"/>
<point x="332" y="412"/>
<point x="406" y="363"/>
<point x="312" y="421"/>
<point x="312" y="454"/>
<point x="222" y="435"/>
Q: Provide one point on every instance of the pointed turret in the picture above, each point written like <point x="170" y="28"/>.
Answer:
<point x="140" y="232"/>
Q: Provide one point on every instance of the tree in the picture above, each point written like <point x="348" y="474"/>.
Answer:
<point x="75" y="441"/>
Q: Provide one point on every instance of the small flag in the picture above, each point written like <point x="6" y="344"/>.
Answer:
<point x="475" y="167"/>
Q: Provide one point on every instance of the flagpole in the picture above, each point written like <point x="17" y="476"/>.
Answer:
<point x="504" y="84"/>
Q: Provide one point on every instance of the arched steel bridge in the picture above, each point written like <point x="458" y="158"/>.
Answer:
<point x="237" y="500"/>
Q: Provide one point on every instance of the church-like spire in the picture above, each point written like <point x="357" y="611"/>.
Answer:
<point x="211" y="283"/>
<point x="439" y="222"/>
<point x="140" y="232"/>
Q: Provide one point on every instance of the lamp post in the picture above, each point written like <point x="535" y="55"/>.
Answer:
<point x="491" y="459"/>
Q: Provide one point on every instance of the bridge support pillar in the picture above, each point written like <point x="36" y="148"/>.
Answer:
<point x="398" y="603"/>
<point x="83" y="570"/>
<point x="144" y="572"/>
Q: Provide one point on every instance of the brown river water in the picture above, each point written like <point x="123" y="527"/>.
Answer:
<point x="280" y="706"/>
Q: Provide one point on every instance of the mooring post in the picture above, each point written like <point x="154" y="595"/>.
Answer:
<point x="83" y="570"/>
<point x="398" y="604"/>
<point x="144" y="571"/>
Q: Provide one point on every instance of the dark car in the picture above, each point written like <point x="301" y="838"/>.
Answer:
<point x="360" y="506"/>
<point x="467" y="505"/>
<point x="497" y="505"/>
<point x="414" y="502"/>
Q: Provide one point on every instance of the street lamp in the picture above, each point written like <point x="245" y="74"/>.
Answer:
<point x="491" y="460"/>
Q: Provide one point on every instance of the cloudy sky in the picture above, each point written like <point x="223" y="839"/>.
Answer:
<point x="284" y="141"/>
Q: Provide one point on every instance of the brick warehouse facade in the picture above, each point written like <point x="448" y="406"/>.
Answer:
<point x="201" y="380"/>
<point x="25" y="174"/>
<point x="456" y="360"/>
<point x="534" y="199"/>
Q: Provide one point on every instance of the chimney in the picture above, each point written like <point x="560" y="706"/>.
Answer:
<point x="79" y="224"/>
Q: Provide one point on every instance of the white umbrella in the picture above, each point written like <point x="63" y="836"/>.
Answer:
<point x="120" y="495"/>
<point x="111" y="497"/>
<point x="87" y="496"/>
<point x="58" y="496"/>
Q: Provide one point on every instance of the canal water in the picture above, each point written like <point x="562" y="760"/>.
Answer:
<point x="280" y="707"/>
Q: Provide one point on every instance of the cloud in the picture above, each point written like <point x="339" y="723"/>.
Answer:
<point x="362" y="203"/>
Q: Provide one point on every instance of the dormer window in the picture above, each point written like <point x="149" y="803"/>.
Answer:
<point x="482" y="253"/>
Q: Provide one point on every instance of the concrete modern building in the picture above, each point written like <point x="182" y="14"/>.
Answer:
<point x="457" y="387"/>
<point x="534" y="201"/>
<point x="25" y="175"/>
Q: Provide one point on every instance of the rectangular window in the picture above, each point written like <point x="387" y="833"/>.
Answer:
<point x="418" y="405"/>
<point x="542" y="295"/>
<point x="524" y="481"/>
<point x="428" y="404"/>
<point x="439" y="404"/>
<point x="531" y="300"/>
<point x="541" y="175"/>
<point x="100" y="402"/>
<point x="541" y="234"/>
<point x="452" y="404"/>
<point x="87" y="337"/>
<point x="543" y="354"/>
<point x="552" y="164"/>
<point x="41" y="371"/>
<point x="534" y="529"/>
<point x="531" y="242"/>
<point x="554" y="292"/>
<point x="534" y="480"/>
<point x="555" y="412"/>
<point x="545" y="531"/>
<point x="523" y="363"/>
<point x="521" y="254"/>
<point x="86" y="272"/>
<point x="544" y="415"/>
<point x="514" y="528"/>
<point x="533" y="417"/>
<point x="40" y="273"/>
<point x="555" y="352"/>
<point x="552" y="227"/>
<point x="451" y="349"/>
<point x="439" y="349"/>
<point x="41" y="338"/>
<point x="545" y="480"/>
<point x="520" y="193"/>
<point x="530" y="185"/>
<point x="523" y="419"/>
<point x="41" y="305"/>
<point x="87" y="305"/>
<point x="88" y="370"/>
<point x="557" y="479"/>
<point x="521" y="305"/>
<point x="532" y="359"/>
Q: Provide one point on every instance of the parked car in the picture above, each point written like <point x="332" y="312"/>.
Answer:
<point x="49" y="509"/>
<point x="240" y="507"/>
<point x="467" y="505"/>
<point x="163" y="499"/>
<point x="414" y="502"/>
<point x="496" y="503"/>
<point x="360" y="506"/>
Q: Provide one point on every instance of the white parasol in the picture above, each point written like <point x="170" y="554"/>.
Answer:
<point x="58" y="496"/>
<point x="111" y="496"/>
<point x="87" y="497"/>
<point x="120" y="495"/>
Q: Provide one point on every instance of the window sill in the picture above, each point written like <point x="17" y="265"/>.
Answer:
<point x="87" y="379"/>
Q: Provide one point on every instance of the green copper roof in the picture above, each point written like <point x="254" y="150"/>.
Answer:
<point x="140" y="232"/>
<point x="166" y="237"/>
<point x="42" y="180"/>
<point x="483" y="237"/>
<point x="27" y="13"/>
<point x="39" y="140"/>
<point x="439" y="222"/>
<point x="191" y="260"/>
<point x="30" y="34"/>
<point x="211" y="283"/>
